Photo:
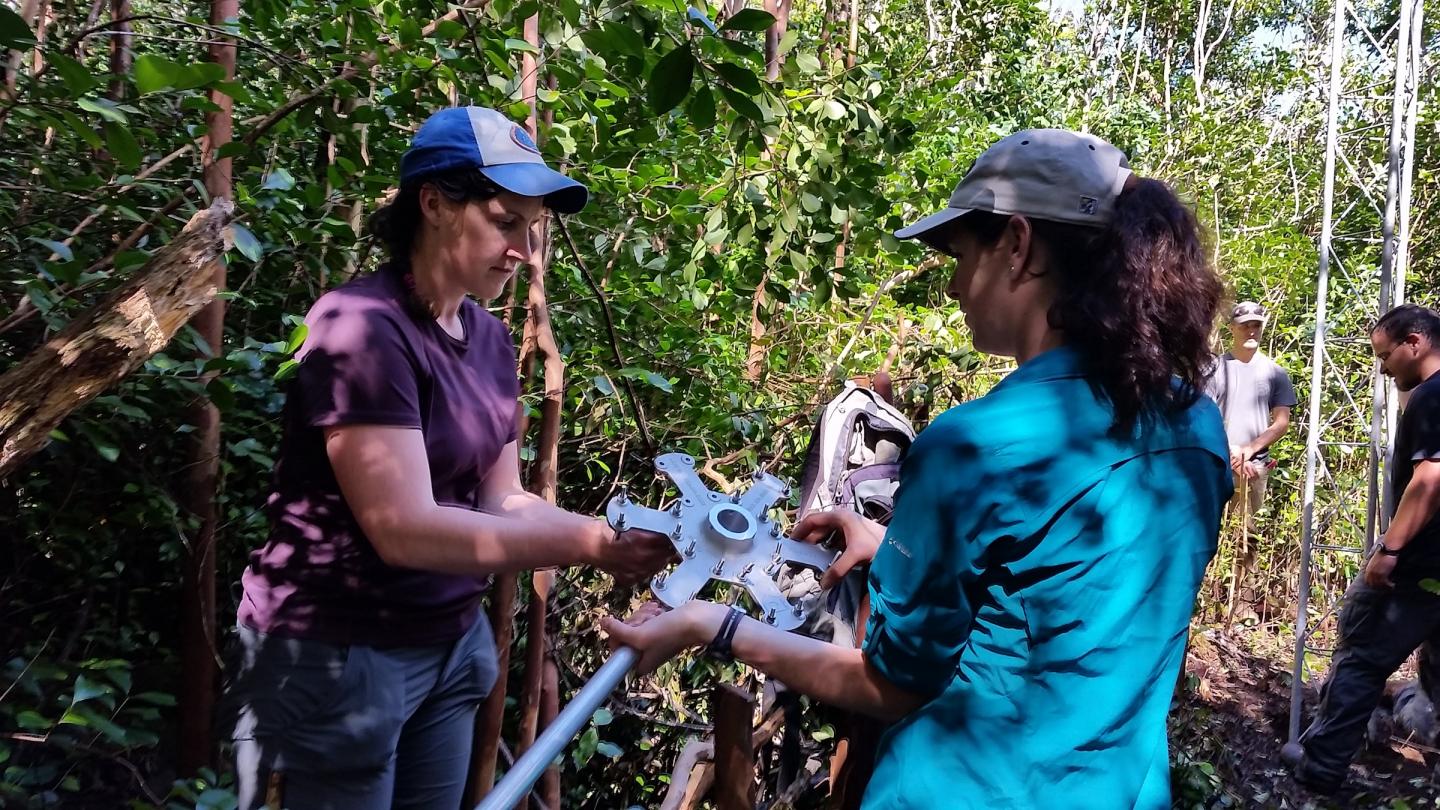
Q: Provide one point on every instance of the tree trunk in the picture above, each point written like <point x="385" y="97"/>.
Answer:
<point x="199" y="660"/>
<point x="29" y="11"/>
<point x="774" y="61"/>
<point x="120" y="53"/>
<point x="109" y="340"/>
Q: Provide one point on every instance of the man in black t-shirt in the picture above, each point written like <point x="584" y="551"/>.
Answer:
<point x="1390" y="610"/>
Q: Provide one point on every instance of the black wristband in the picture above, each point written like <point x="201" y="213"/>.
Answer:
<point x="719" y="648"/>
<point x="1387" y="551"/>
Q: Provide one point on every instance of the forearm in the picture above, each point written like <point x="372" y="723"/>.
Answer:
<point x="522" y="505"/>
<point x="1417" y="506"/>
<point x="456" y="540"/>
<point x="827" y="672"/>
<point x="1271" y="435"/>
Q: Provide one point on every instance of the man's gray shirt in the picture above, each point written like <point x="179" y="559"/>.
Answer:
<point x="1246" y="392"/>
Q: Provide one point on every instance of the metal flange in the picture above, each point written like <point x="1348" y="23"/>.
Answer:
<point x="730" y="538"/>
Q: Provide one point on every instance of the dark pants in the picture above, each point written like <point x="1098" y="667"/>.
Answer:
<point x="1378" y="631"/>
<point x="355" y="727"/>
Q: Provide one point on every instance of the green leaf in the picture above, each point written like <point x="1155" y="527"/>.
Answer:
<point x="86" y="689"/>
<point x="807" y="62"/>
<point x="449" y="30"/>
<point x="85" y="132"/>
<point x="749" y="19"/>
<point x="156" y="698"/>
<point x="200" y="74"/>
<point x="702" y="109"/>
<point x="513" y="44"/>
<point x="834" y="110"/>
<point x="122" y="145"/>
<point x="154" y="74"/>
<point x="279" y="180"/>
<point x="216" y="799"/>
<point x="738" y="77"/>
<point x="235" y="90"/>
<point x="286" y="370"/>
<point x="742" y="104"/>
<point x="221" y="394"/>
<point x="14" y="33"/>
<point x="670" y="79"/>
<point x="297" y="338"/>
<point x="103" y="107"/>
<point x="609" y="749"/>
<point x="245" y="242"/>
<point x="1431" y="585"/>
<point x="31" y="720"/>
<point x="78" y="79"/>
<point x="602" y="717"/>
<point x="809" y="202"/>
<point x="58" y="248"/>
<point x="603" y="386"/>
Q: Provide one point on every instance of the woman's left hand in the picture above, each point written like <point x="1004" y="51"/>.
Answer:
<point x="659" y="634"/>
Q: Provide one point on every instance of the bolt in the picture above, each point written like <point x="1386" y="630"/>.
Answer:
<point x="624" y="496"/>
<point x="719" y="568"/>
<point x="660" y="581"/>
<point x="799" y="611"/>
<point x="690" y="549"/>
<point x="745" y="574"/>
<point x="675" y="509"/>
<point x="675" y="532"/>
<point x="770" y="617"/>
<point x="735" y="497"/>
<point x="758" y="474"/>
<point x="774" y="531"/>
<point x="620" y="524"/>
<point x="777" y="555"/>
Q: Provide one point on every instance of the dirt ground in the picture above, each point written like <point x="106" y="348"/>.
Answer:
<point x="1234" y="715"/>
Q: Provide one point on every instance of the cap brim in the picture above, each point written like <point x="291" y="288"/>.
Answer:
<point x="932" y="226"/>
<point x="1250" y="319"/>
<point x="562" y="194"/>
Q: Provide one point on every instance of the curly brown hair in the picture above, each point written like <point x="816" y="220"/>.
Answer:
<point x="1137" y="298"/>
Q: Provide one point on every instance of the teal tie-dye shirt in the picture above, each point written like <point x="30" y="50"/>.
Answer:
<point x="1036" y="583"/>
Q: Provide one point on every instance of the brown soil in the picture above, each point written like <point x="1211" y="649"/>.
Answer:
<point x="1234" y="714"/>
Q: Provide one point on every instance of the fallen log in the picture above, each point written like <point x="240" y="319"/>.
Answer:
<point x="112" y="338"/>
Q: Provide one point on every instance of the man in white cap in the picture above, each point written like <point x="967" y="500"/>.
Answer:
<point x="1255" y="397"/>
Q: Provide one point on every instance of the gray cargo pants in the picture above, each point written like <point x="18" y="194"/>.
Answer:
<point x="355" y="727"/>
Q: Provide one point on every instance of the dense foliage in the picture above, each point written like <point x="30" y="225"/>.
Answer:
<point x="721" y="198"/>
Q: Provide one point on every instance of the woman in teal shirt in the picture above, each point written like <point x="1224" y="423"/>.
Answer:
<point x="1031" y="596"/>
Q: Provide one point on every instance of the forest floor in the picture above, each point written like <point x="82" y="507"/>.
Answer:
<point x="1233" y="717"/>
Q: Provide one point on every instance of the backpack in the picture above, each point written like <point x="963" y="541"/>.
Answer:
<point x="853" y="460"/>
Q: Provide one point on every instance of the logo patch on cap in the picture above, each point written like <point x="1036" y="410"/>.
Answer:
<point x="522" y="139"/>
<point x="1087" y="205"/>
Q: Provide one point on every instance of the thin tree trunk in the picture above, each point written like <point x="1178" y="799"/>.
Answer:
<point x="120" y="53"/>
<point x="755" y="355"/>
<point x="199" y="660"/>
<point x="29" y="12"/>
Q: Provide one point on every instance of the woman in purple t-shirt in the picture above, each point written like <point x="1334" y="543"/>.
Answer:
<point x="363" y="652"/>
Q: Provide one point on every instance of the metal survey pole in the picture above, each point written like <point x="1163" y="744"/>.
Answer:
<point x="551" y="743"/>
<point x="1317" y="360"/>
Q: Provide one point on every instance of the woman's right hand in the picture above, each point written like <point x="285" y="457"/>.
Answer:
<point x="632" y="555"/>
<point x="861" y="535"/>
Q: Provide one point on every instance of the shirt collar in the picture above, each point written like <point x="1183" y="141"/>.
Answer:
<point x="1054" y="364"/>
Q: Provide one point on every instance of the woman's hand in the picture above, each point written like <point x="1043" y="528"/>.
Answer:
<point x="630" y="556"/>
<point x="862" y="538"/>
<point x="659" y="634"/>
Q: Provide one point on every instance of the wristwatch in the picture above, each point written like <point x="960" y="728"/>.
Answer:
<point x="1381" y="548"/>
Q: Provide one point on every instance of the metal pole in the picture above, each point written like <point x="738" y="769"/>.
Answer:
<point x="1380" y="410"/>
<point x="528" y="768"/>
<point x="1317" y="360"/>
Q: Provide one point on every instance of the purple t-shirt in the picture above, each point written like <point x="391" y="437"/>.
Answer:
<point x="368" y="361"/>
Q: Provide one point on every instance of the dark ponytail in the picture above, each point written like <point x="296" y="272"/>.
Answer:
<point x="1136" y="299"/>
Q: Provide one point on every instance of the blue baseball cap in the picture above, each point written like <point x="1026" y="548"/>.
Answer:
<point x="485" y="139"/>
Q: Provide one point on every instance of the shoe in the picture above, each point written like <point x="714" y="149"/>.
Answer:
<point x="1293" y="755"/>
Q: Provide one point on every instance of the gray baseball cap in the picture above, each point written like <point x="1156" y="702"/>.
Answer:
<point x="1248" y="312"/>
<point x="1052" y="174"/>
